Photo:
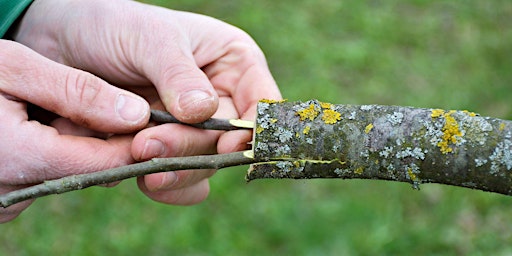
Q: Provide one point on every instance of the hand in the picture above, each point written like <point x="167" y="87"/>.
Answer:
<point x="31" y="152"/>
<point x="195" y="65"/>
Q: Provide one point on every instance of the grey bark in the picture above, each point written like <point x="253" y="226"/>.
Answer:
<point x="303" y="140"/>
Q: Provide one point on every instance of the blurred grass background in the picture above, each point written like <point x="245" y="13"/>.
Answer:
<point x="443" y="54"/>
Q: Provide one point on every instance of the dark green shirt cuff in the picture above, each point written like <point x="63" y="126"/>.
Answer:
<point x="10" y="10"/>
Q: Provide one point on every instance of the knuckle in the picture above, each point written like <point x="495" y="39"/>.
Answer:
<point x="82" y="87"/>
<point x="244" y="45"/>
<point x="242" y="53"/>
<point x="183" y="72"/>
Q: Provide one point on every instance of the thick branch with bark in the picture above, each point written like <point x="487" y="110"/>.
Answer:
<point x="320" y="140"/>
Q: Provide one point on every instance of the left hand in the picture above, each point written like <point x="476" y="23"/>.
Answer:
<point x="192" y="65"/>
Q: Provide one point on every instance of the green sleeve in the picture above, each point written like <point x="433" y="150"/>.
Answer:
<point x="10" y="10"/>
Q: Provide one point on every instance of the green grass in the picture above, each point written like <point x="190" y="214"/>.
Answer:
<point x="443" y="54"/>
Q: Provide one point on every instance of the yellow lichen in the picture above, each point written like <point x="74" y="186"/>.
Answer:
<point x="273" y="120"/>
<point x="330" y="116"/>
<point x="450" y="133"/>
<point x="306" y="130"/>
<point x="259" y="129"/>
<point x="471" y="114"/>
<point x="270" y="101"/>
<point x="437" y="113"/>
<point x="368" y="128"/>
<point x="325" y="105"/>
<point x="359" y="170"/>
<point x="308" y="113"/>
<point x="412" y="175"/>
<point x="502" y="127"/>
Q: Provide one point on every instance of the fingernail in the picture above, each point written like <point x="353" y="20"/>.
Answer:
<point x="191" y="100"/>
<point x="153" y="148"/>
<point x="131" y="108"/>
<point x="168" y="180"/>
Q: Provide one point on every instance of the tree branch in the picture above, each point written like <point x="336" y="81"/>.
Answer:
<point x="304" y="140"/>
<point x="155" y="165"/>
<point x="320" y="140"/>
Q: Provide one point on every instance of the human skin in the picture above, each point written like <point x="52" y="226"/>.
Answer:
<point x="75" y="59"/>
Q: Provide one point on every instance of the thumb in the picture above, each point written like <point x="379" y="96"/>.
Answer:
<point x="80" y="96"/>
<point x="186" y="91"/>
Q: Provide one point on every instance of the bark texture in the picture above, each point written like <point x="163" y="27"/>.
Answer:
<point x="303" y="140"/>
<point x="81" y="181"/>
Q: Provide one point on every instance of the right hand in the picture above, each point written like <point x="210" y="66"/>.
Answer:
<point x="31" y="152"/>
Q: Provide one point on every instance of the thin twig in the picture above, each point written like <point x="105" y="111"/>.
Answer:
<point x="210" y="124"/>
<point x="81" y="181"/>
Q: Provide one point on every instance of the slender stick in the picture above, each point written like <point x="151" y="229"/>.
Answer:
<point x="210" y="124"/>
<point x="155" y="165"/>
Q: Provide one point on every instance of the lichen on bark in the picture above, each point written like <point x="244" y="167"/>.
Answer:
<point x="415" y="145"/>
